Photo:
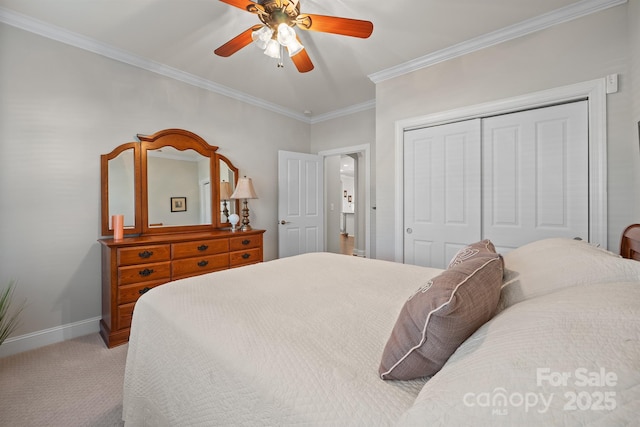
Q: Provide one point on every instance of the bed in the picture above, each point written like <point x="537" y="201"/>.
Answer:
<point x="302" y="341"/>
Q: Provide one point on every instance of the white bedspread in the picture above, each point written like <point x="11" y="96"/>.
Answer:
<point x="569" y="358"/>
<point x="299" y="340"/>
<point x="291" y="341"/>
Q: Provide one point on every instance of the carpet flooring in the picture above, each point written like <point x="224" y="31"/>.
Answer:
<point x="73" y="383"/>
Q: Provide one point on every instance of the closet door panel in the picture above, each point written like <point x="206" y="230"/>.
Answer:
<point x="442" y="192"/>
<point x="501" y="192"/>
<point x="535" y="175"/>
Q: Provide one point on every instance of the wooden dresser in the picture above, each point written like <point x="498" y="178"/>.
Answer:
<point x="133" y="265"/>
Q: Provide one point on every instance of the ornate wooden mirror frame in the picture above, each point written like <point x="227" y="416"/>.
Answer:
<point x="126" y="170"/>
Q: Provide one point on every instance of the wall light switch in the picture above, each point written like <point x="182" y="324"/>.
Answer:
<point x="331" y="206"/>
<point x="612" y="83"/>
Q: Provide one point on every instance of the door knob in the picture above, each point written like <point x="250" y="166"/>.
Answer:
<point x="409" y="230"/>
<point x="283" y="222"/>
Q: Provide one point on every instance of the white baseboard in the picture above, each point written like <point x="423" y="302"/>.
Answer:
<point x="58" y="334"/>
<point x="359" y="252"/>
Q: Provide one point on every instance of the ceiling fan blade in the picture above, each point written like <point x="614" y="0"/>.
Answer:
<point x="335" y="25"/>
<point x="247" y="5"/>
<point x="236" y="43"/>
<point x="302" y="61"/>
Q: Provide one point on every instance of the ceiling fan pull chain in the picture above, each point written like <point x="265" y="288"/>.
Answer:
<point x="280" y="62"/>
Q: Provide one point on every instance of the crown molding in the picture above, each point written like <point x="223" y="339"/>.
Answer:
<point x="574" y="11"/>
<point x="61" y="35"/>
<point x="559" y="16"/>
<point x="367" y="105"/>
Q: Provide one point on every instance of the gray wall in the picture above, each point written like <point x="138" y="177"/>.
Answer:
<point x="581" y="50"/>
<point x="349" y="131"/>
<point x="333" y="192"/>
<point x="634" y="80"/>
<point x="60" y="108"/>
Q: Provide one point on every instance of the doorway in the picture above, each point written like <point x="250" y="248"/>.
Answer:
<point x="347" y="205"/>
<point x="348" y="177"/>
<point x="302" y="190"/>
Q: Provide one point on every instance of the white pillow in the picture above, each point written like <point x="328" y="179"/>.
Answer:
<point x="548" y="265"/>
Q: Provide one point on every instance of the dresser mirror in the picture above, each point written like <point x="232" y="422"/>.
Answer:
<point x="168" y="182"/>
<point x="189" y="180"/>
<point x="120" y="174"/>
<point x="228" y="173"/>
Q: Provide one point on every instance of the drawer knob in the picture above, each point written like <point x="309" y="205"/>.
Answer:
<point x="145" y="254"/>
<point x="203" y="247"/>
<point x="246" y="256"/>
<point x="144" y="290"/>
<point x="146" y="272"/>
<point x="203" y="263"/>
<point x="246" y="241"/>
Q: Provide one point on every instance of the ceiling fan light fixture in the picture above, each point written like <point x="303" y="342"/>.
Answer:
<point x="294" y="47"/>
<point x="287" y="37"/>
<point x="273" y="49"/>
<point x="285" y="34"/>
<point x="262" y="36"/>
<point x="277" y="31"/>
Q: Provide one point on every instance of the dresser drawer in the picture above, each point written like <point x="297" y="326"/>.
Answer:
<point x="143" y="254"/>
<point x="199" y="248"/>
<point x="133" y="265"/>
<point x="144" y="273"/>
<point x="249" y="256"/>
<point x="199" y="265"/>
<point x="131" y="293"/>
<point x="124" y="315"/>
<point x="245" y="242"/>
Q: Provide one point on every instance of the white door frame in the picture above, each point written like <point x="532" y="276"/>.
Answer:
<point x="594" y="91"/>
<point x="205" y="193"/>
<point x="363" y="149"/>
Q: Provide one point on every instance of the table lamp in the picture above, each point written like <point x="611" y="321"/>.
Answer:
<point x="225" y="194"/>
<point x="244" y="190"/>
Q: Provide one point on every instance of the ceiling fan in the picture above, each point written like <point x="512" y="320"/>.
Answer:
<point x="279" y="17"/>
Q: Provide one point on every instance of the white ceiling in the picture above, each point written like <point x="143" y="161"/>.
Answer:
<point x="181" y="36"/>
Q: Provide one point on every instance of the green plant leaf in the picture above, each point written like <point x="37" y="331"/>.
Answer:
<point x="9" y="320"/>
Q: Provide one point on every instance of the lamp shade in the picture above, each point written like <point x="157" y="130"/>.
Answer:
<point x="262" y="36"/>
<point x="273" y="49"/>
<point x="225" y="190"/>
<point x="294" y="48"/>
<point x="244" y="189"/>
<point x="286" y="34"/>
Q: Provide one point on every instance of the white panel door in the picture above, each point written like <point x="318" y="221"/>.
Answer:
<point x="300" y="203"/>
<point x="535" y="175"/>
<point x="442" y="192"/>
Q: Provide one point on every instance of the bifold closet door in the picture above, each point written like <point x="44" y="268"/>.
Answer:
<point x="535" y="174"/>
<point x="441" y="191"/>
